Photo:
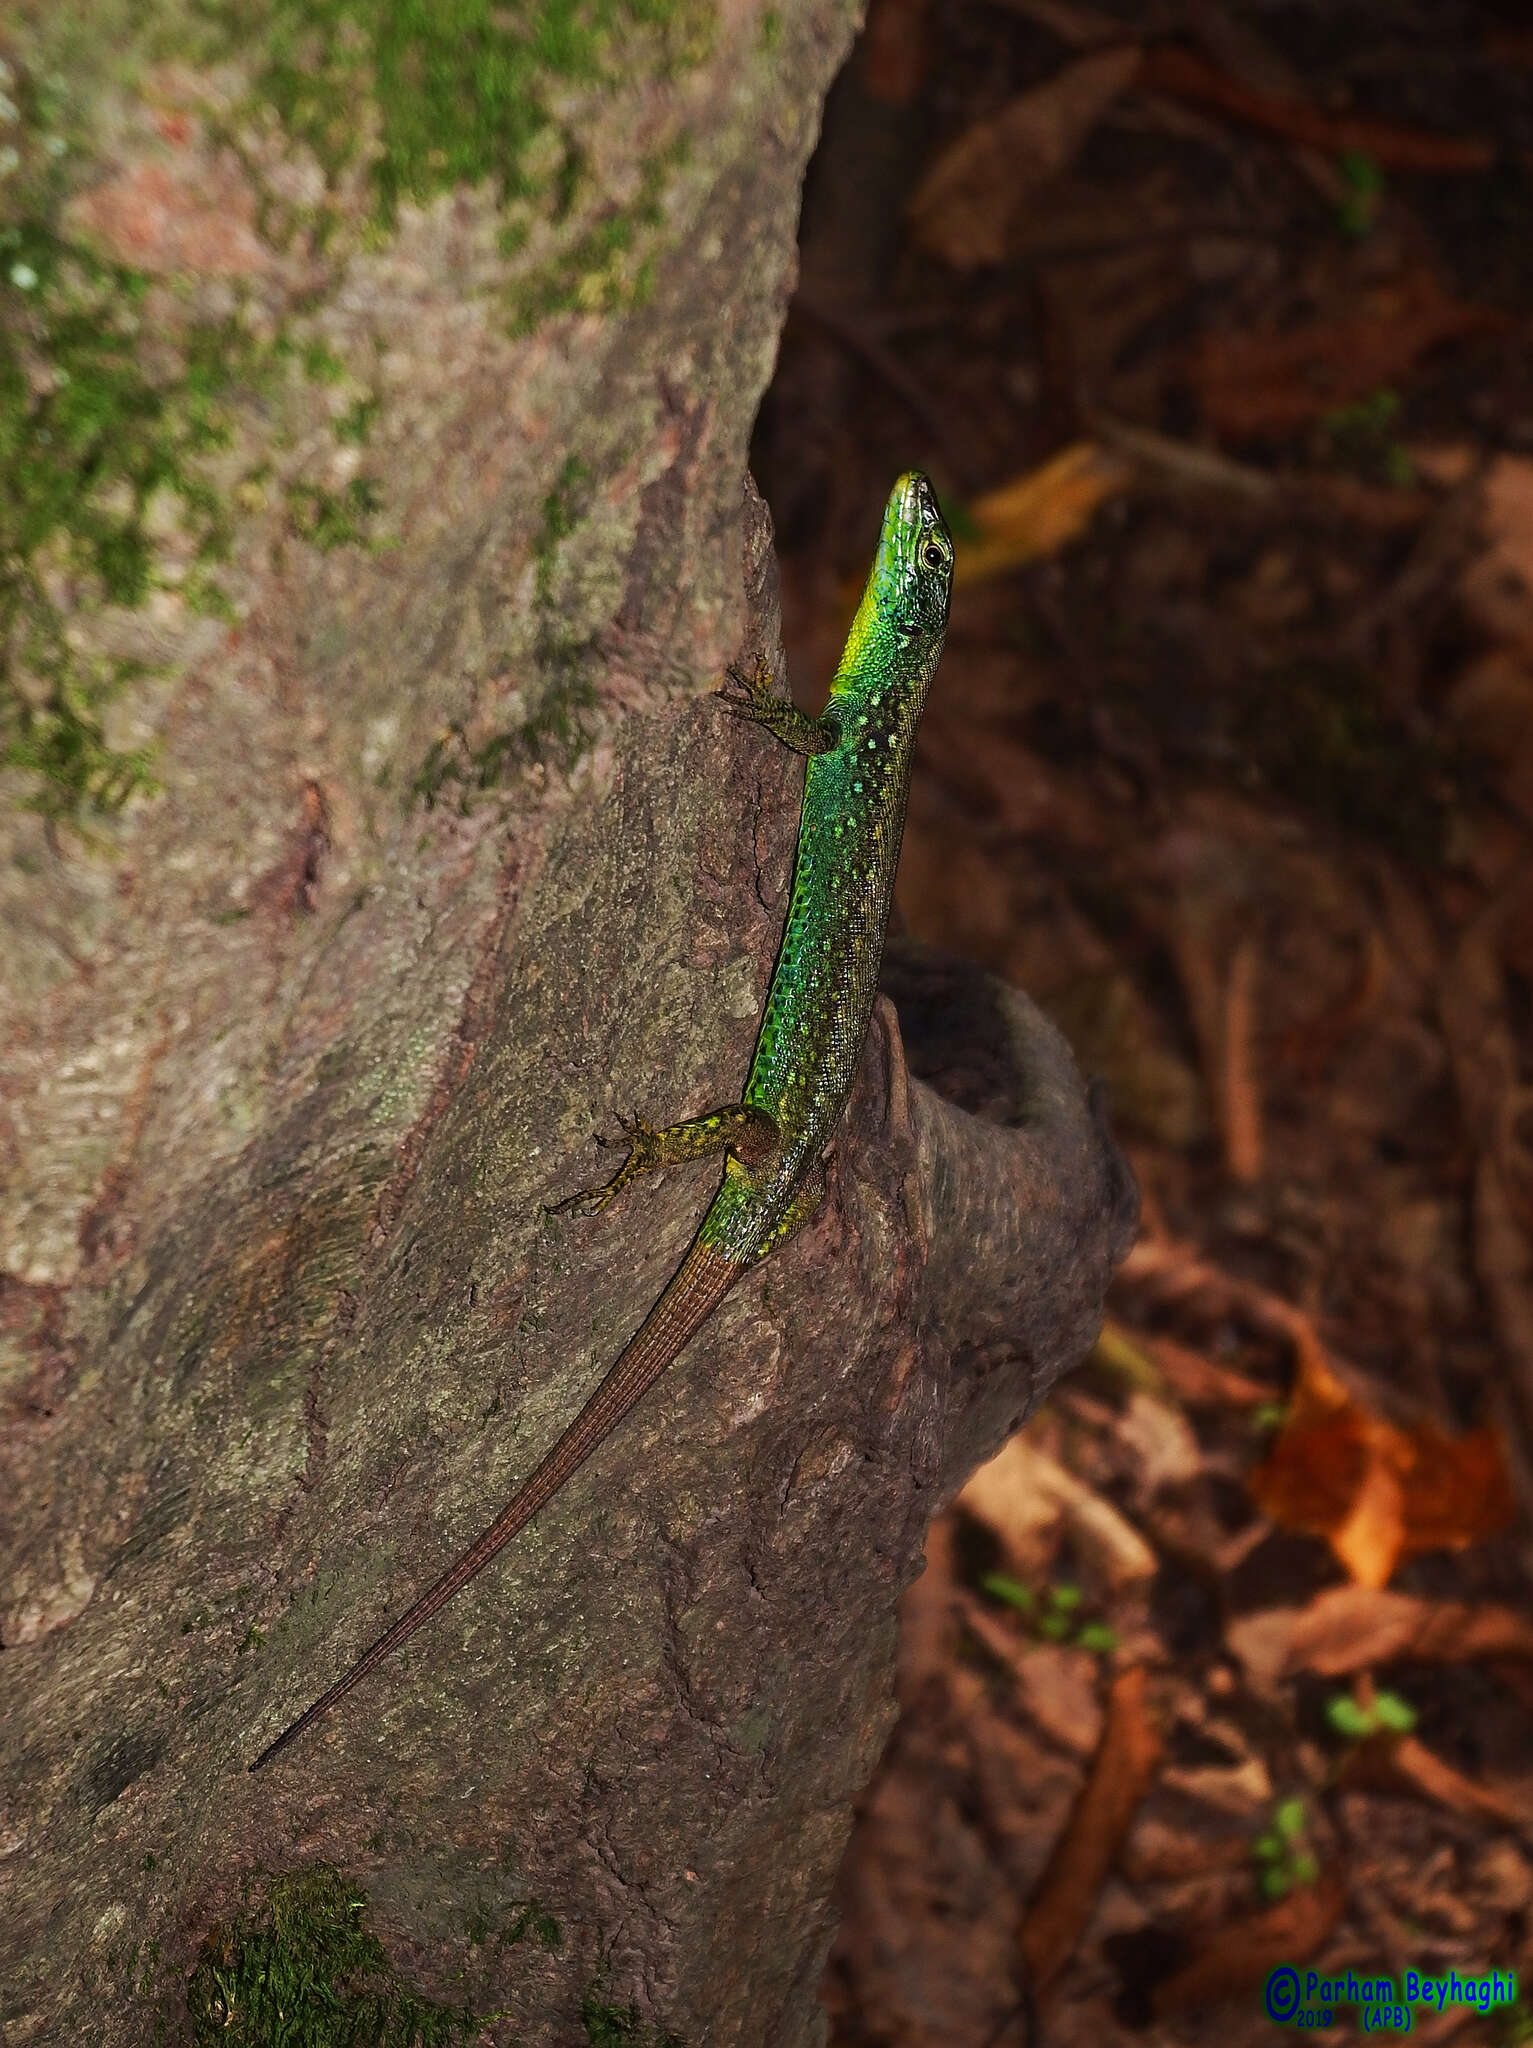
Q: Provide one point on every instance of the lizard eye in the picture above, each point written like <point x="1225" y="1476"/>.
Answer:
<point x="932" y="554"/>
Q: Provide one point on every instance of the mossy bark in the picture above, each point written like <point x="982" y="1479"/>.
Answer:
<point x="447" y="860"/>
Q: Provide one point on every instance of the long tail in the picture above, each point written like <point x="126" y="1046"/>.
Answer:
<point x="698" y="1286"/>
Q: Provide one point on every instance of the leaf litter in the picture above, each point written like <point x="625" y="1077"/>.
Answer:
<point x="1212" y="323"/>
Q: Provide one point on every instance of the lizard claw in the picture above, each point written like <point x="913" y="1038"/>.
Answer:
<point x="589" y="1202"/>
<point x="751" y="692"/>
<point x="639" y="1138"/>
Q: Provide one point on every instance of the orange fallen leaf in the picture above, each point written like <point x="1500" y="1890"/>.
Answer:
<point x="1029" y="519"/>
<point x="1125" y="1762"/>
<point x="1374" y="1491"/>
<point x="1036" y="515"/>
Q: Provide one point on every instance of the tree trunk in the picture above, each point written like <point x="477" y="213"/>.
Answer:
<point x="378" y="429"/>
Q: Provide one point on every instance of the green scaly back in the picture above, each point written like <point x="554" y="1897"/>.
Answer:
<point x="853" y="818"/>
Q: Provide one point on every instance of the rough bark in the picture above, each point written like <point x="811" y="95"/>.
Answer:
<point x="298" y="1046"/>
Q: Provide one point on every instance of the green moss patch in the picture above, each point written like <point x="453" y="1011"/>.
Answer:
<point x="303" y="1968"/>
<point x="619" y="2026"/>
<point x="108" y="409"/>
<point x="603" y="271"/>
<point x="469" y="92"/>
<point x="460" y="87"/>
<point x="113" y="386"/>
<point x="87" y="442"/>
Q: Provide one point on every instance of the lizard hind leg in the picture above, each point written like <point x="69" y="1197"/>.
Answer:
<point x="810" y="1194"/>
<point x="748" y="1133"/>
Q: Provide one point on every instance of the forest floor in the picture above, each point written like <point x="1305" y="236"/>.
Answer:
<point x="1213" y="324"/>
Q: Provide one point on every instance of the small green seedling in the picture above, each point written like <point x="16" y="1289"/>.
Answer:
<point x="1364" y="437"/>
<point x="1283" y="1853"/>
<point x="619" y="2026"/>
<point x="1052" y="1615"/>
<point x="1358" y="213"/>
<point x="1385" y="1714"/>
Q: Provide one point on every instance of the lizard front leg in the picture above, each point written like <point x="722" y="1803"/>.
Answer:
<point x="752" y="698"/>
<point x="750" y="1134"/>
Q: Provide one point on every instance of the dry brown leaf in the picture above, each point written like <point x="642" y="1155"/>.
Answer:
<point x="1021" y="1495"/>
<point x="1028" y="519"/>
<point x="1188" y="77"/>
<point x="1492" y="705"/>
<point x="1254" y="384"/>
<point x="1497" y="588"/>
<point x="963" y="209"/>
<point x="1057" y="1687"/>
<point x="1036" y="515"/>
<point x="1163" y="1442"/>
<point x="1120" y="1776"/>
<point x="1459" y="1491"/>
<point x="1202" y="1382"/>
<point x="927" y="1613"/>
<point x="1157" y="1853"/>
<point x="1374" y="1491"/>
<point x="1240" y="1093"/>
<point x="895" y="50"/>
<point x="1242" y="1790"/>
<point x="1349" y="1628"/>
<point x="1259" y="1642"/>
<point x="1237" y="1959"/>
<point x="1400" y="1763"/>
<point x="1307" y="1048"/>
<point x="1488" y="1072"/>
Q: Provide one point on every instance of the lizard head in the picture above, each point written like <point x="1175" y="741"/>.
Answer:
<point x="904" y="607"/>
<point x="914" y="566"/>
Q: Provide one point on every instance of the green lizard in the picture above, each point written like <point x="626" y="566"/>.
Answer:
<point x="817" y="1012"/>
